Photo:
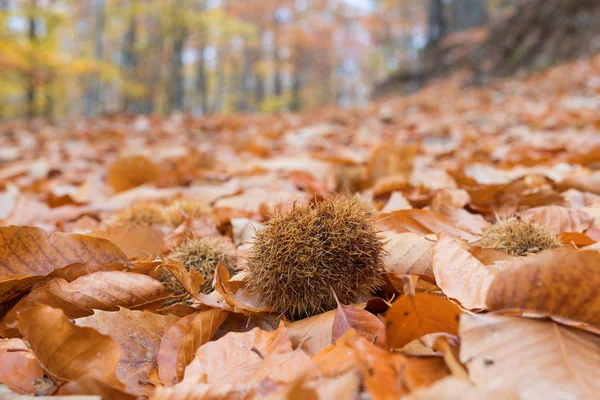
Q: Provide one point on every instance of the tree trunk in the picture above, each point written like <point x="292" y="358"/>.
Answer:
<point x="201" y="86"/>
<point x="176" y="89"/>
<point x="31" y="91"/>
<point x="130" y="60"/>
<point x="92" y="99"/>
<point x="438" y="26"/>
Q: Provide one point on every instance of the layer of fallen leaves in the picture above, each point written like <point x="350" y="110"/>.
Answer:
<point x="83" y="310"/>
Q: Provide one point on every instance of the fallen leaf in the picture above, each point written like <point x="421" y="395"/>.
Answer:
<point x="97" y="291"/>
<point x="313" y="334"/>
<point x="180" y="342"/>
<point x="18" y="366"/>
<point x="408" y="253"/>
<point x="389" y="159"/>
<point x="236" y="356"/>
<point x="423" y="222"/>
<point x="20" y="267"/>
<point x="137" y="334"/>
<point x="382" y="371"/>
<point x="130" y="171"/>
<point x="452" y="388"/>
<point x="537" y="359"/>
<point x="559" y="283"/>
<point x="576" y="239"/>
<point x="235" y="294"/>
<point x="68" y="352"/>
<point x="422" y="372"/>
<point x="412" y="317"/>
<point x="362" y="321"/>
<point x="137" y="240"/>
<point x="558" y="219"/>
<point x="460" y="274"/>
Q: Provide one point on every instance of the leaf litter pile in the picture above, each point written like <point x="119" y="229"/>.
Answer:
<point x="438" y="246"/>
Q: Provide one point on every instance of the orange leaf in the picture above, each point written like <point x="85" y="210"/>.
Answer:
<point x="18" y="366"/>
<point x="137" y="334"/>
<point x="130" y="171"/>
<point x="20" y="267"/>
<point x="179" y="344"/>
<point x="98" y="291"/>
<point x="561" y="283"/>
<point x="412" y="317"/>
<point x="68" y="352"/>
<point x="137" y="240"/>
<point x="576" y="238"/>
<point x="362" y="321"/>
<point x="423" y="222"/>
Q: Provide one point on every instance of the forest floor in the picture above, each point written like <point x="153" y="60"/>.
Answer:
<point x="488" y="206"/>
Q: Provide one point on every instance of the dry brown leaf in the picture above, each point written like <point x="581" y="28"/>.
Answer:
<point x="235" y="294"/>
<point x="537" y="359"/>
<point x="576" y="239"/>
<point x="412" y="317"/>
<point x="137" y="240"/>
<point x="138" y="334"/>
<point x="190" y="280"/>
<point x="461" y="274"/>
<point x="20" y="267"/>
<point x="18" y="366"/>
<point x="236" y="356"/>
<point x="408" y="253"/>
<point x="560" y="283"/>
<point x="382" y="371"/>
<point x="557" y="219"/>
<point x="68" y="352"/>
<point x="362" y="321"/>
<point x="423" y="372"/>
<point x="423" y="222"/>
<point x="451" y="202"/>
<point x="453" y="388"/>
<point x="130" y="171"/>
<point x="312" y="334"/>
<point x="97" y="291"/>
<point x="179" y="344"/>
<point x="390" y="159"/>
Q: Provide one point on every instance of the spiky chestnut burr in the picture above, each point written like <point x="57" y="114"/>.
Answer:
<point x="304" y="255"/>
<point x="201" y="255"/>
<point x="518" y="238"/>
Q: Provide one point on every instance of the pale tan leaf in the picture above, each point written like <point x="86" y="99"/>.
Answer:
<point x="453" y="388"/>
<point x="408" y="253"/>
<point x="236" y="356"/>
<point x="460" y="274"/>
<point x="537" y="359"/>
<point x="313" y="334"/>
<point x="557" y="219"/>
